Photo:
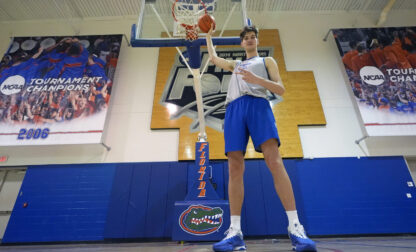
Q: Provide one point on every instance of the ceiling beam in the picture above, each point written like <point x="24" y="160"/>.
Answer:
<point x="350" y="5"/>
<point x="75" y="8"/>
<point x="367" y="4"/>
<point x="363" y="7"/>
<point x="384" y="13"/>
<point x="5" y="12"/>
<point x="68" y="16"/>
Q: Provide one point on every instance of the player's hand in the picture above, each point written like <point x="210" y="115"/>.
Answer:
<point x="211" y="30"/>
<point x="40" y="50"/>
<point x="65" y="40"/>
<point x="248" y="76"/>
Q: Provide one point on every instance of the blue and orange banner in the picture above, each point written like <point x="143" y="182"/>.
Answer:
<point x="56" y="90"/>
<point x="381" y="67"/>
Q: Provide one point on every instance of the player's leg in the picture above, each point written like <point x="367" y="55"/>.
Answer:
<point x="283" y="186"/>
<point x="281" y="180"/>
<point x="263" y="131"/>
<point x="234" y="239"/>
<point x="235" y="181"/>
<point x="236" y="139"/>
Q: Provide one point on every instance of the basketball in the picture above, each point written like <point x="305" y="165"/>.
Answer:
<point x="205" y="21"/>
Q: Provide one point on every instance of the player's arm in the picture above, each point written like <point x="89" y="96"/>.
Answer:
<point x="36" y="55"/>
<point x="218" y="61"/>
<point x="28" y="111"/>
<point x="275" y="79"/>
<point x="274" y="84"/>
<point x="64" y="40"/>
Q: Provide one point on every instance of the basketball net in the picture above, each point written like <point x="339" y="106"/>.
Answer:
<point x="186" y="14"/>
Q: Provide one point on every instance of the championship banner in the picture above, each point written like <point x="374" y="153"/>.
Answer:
<point x="56" y="90"/>
<point x="381" y="68"/>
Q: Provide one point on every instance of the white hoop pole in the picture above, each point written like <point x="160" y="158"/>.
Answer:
<point x="244" y="11"/>
<point x="228" y="19"/>
<point x="140" y="19"/>
<point x="160" y="20"/>
<point x="170" y="36"/>
<point x="202" y="137"/>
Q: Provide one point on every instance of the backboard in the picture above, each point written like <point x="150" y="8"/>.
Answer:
<point x="155" y="17"/>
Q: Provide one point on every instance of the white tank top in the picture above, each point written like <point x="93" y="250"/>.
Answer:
<point x="238" y="87"/>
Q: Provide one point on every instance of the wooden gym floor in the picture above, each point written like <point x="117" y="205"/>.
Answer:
<point x="358" y="244"/>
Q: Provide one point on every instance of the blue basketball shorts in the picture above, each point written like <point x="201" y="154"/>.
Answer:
<point x="248" y="116"/>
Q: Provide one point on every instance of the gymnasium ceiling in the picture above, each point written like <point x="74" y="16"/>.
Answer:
<point x="24" y="10"/>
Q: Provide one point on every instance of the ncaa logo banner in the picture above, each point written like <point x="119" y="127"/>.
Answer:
<point x="56" y="90"/>
<point x="381" y="67"/>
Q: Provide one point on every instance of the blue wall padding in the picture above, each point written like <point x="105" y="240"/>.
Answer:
<point x="119" y="200"/>
<point x="357" y="196"/>
<point x="65" y="203"/>
<point x="148" y="194"/>
<point x="218" y="177"/>
<point x="176" y="192"/>
<point x="254" y="203"/>
<point x="157" y="199"/>
<point x="93" y="202"/>
<point x="135" y="223"/>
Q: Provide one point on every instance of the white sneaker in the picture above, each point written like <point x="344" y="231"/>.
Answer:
<point x="300" y="242"/>
<point x="232" y="242"/>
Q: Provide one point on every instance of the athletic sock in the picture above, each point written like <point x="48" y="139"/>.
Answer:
<point x="292" y="217"/>
<point x="235" y="224"/>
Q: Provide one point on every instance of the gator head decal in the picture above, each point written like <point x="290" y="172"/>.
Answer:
<point x="201" y="220"/>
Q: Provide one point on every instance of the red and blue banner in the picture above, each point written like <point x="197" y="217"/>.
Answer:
<point x="56" y="90"/>
<point x="381" y="67"/>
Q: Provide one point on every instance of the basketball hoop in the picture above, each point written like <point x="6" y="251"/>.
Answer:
<point x="191" y="33"/>
<point x="186" y="14"/>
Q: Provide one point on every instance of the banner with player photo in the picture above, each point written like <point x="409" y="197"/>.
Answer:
<point x="381" y="68"/>
<point x="56" y="90"/>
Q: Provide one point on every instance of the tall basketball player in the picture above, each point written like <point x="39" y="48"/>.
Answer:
<point x="248" y="112"/>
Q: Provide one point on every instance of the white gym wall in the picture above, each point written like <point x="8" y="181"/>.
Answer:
<point x="128" y="126"/>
